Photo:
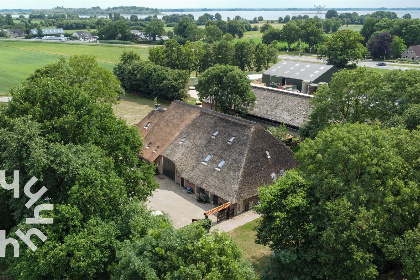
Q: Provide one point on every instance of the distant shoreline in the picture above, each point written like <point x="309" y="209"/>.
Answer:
<point x="226" y="9"/>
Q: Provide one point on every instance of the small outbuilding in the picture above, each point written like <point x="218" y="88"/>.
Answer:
<point x="412" y="53"/>
<point x="298" y="75"/>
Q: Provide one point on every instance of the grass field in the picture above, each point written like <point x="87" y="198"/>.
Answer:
<point x="356" y="28"/>
<point x="20" y="58"/>
<point x="257" y="254"/>
<point x="133" y="108"/>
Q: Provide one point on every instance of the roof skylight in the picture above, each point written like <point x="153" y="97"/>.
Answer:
<point x="148" y="145"/>
<point x="268" y="154"/>
<point x="214" y="134"/>
<point x="147" y="125"/>
<point x="220" y="165"/>
<point x="182" y="140"/>
<point x="231" y="140"/>
<point x="157" y="148"/>
<point x="208" y="157"/>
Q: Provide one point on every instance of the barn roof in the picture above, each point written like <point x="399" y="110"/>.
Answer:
<point x="281" y="106"/>
<point x="243" y="155"/>
<point x="298" y="70"/>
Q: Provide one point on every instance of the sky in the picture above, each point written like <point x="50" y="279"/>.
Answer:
<point x="173" y="4"/>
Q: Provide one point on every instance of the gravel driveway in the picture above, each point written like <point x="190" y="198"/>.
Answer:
<point x="173" y="200"/>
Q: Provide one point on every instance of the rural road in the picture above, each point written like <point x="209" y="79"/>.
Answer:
<point x="366" y="62"/>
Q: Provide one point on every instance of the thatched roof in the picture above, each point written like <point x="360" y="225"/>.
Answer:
<point x="184" y="134"/>
<point x="281" y="106"/>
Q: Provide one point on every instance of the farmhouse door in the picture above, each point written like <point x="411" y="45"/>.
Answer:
<point x="168" y="168"/>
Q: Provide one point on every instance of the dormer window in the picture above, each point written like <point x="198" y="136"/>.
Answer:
<point x="182" y="140"/>
<point x="157" y="148"/>
<point x="231" y="140"/>
<point x="214" y="134"/>
<point x="268" y="154"/>
<point x="208" y="157"/>
<point x="148" y="145"/>
<point x="147" y="125"/>
<point x="220" y="165"/>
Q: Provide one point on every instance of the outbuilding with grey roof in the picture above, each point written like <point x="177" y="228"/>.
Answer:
<point x="298" y="73"/>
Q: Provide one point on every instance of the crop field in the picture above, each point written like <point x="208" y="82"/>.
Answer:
<point x="21" y="58"/>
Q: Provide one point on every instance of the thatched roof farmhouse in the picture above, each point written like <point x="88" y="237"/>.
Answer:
<point x="224" y="157"/>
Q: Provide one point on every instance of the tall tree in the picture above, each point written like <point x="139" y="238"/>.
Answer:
<point x="115" y="30"/>
<point x="397" y="47"/>
<point x="155" y="28"/>
<point x="290" y="33"/>
<point x="379" y="45"/>
<point x="244" y="55"/>
<point x="331" y="217"/>
<point x="312" y="33"/>
<point x="342" y="47"/>
<point x="227" y="88"/>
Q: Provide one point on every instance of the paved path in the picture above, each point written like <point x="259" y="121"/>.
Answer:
<point x="237" y="221"/>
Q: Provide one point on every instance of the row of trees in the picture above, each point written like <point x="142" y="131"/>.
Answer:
<point x="60" y="127"/>
<point x="406" y="29"/>
<point x="364" y="96"/>
<point x="200" y="56"/>
<point x="309" y="31"/>
<point x="149" y="79"/>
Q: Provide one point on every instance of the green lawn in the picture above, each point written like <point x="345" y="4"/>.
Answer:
<point x="21" y="58"/>
<point x="356" y="28"/>
<point x="257" y="254"/>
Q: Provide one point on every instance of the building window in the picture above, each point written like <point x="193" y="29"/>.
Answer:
<point x="220" y="165"/>
<point x="231" y="140"/>
<point x="147" y="125"/>
<point x="157" y="148"/>
<point x="148" y="145"/>
<point x="208" y="157"/>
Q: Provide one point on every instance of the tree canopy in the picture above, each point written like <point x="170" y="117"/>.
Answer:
<point x="59" y="129"/>
<point x="365" y="96"/>
<point x="342" y="47"/>
<point x="350" y="211"/>
<point x="227" y="88"/>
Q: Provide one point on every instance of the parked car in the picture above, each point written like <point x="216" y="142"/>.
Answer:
<point x="381" y="64"/>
